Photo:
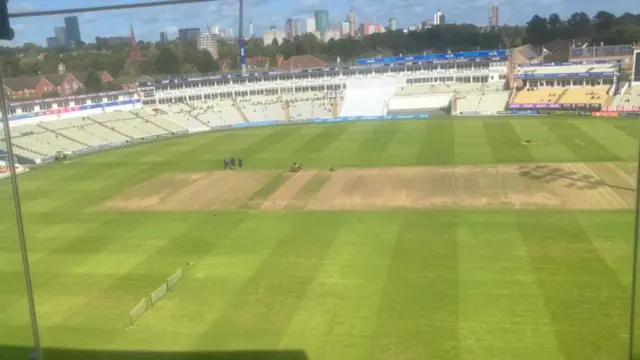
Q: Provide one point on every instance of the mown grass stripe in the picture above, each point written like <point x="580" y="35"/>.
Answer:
<point x="420" y="295"/>
<point x="582" y="144"/>
<point x="309" y="153"/>
<point x="375" y="145"/>
<point x="505" y="143"/>
<point x="276" y="136"/>
<point x="438" y="144"/>
<point x="629" y="127"/>
<point x="265" y="305"/>
<point x="587" y="303"/>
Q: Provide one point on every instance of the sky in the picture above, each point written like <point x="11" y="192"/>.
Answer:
<point x="149" y="22"/>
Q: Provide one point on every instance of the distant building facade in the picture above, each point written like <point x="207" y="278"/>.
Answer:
<point x="322" y="21"/>
<point x="190" y="34"/>
<point x="72" y="27"/>
<point x="209" y="42"/>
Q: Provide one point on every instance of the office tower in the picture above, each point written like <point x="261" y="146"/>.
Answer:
<point x="392" y="24"/>
<point x="311" y="25"/>
<point x="494" y="16"/>
<point x="164" y="37"/>
<point x="189" y="34"/>
<point x="322" y="21"/>
<point x="72" y="30"/>
<point x="345" y="29"/>
<point x="53" y="42"/>
<point x="352" y="19"/>
<point x="209" y="42"/>
<point x="288" y="29"/>
<point x="251" y="31"/>
<point x="438" y="18"/>
<point x="296" y="27"/>
<point x="61" y="35"/>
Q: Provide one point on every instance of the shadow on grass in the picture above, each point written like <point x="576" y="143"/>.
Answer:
<point x="550" y="174"/>
<point x="22" y="353"/>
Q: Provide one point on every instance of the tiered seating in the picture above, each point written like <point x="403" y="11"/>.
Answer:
<point x="566" y="69"/>
<point x="468" y="103"/>
<point x="418" y="89"/>
<point x="540" y="95"/>
<point x="39" y="140"/>
<point x="80" y="129"/>
<point x="631" y="97"/>
<point x="491" y="102"/>
<point x="128" y="124"/>
<point x="308" y="105"/>
<point x="590" y="95"/>
<point x="216" y="112"/>
<point x="262" y="107"/>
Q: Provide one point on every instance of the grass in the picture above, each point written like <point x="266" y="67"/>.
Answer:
<point x="326" y="285"/>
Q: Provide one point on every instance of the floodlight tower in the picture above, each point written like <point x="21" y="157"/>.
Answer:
<point x="243" y="59"/>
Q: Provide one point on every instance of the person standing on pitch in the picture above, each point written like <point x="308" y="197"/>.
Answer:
<point x="226" y="162"/>
<point x="240" y="161"/>
<point x="233" y="162"/>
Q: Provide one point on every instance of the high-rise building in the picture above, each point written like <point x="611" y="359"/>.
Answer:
<point x="189" y="34"/>
<point x="494" y="16"/>
<point x="297" y="31"/>
<point x="72" y="32"/>
<point x="215" y="30"/>
<point x="272" y="34"/>
<point x="53" y="42"/>
<point x="251" y="31"/>
<point x="345" y="29"/>
<point x="392" y="24"/>
<point x="288" y="28"/>
<point x="352" y="19"/>
<point x="61" y="35"/>
<point x="322" y="21"/>
<point x="209" y="42"/>
<point x="164" y="37"/>
<point x="311" y="25"/>
<point x="438" y="18"/>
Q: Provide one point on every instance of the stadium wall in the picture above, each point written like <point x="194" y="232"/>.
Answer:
<point x="75" y="111"/>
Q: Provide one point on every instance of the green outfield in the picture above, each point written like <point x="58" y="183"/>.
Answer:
<point x="433" y="239"/>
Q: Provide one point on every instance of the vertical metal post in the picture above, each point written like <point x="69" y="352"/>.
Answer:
<point x="243" y="62"/>
<point x="18" y="209"/>
<point x="634" y="267"/>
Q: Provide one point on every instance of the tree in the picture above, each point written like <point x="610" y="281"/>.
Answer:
<point x="538" y="30"/>
<point x="167" y="62"/>
<point x="92" y="82"/>
<point x="205" y="62"/>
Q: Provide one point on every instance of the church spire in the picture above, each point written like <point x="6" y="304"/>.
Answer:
<point x="135" y="52"/>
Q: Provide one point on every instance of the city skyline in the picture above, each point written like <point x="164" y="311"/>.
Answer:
<point x="150" y="22"/>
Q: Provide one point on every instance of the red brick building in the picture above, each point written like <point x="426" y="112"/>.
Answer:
<point x="25" y="87"/>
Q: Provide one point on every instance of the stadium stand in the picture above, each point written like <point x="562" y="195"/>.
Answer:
<point x="262" y="107"/>
<point x="542" y="95"/>
<point x="185" y="105"/>
<point x="630" y="97"/>
<point x="591" y="95"/>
